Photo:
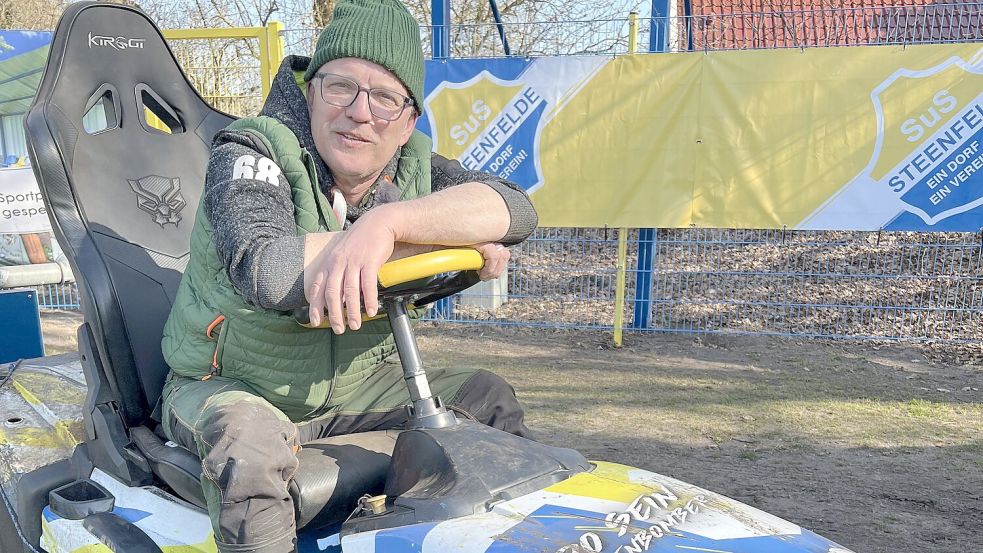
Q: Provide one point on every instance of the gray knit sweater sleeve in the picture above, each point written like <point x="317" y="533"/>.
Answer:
<point x="249" y="205"/>
<point x="523" y="219"/>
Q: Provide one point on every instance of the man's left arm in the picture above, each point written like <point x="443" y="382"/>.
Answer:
<point x="466" y="208"/>
<point x="522" y="217"/>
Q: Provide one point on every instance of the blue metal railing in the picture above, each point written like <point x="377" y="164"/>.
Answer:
<point x="58" y="296"/>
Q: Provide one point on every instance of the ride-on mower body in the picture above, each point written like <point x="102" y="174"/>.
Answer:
<point x="84" y="467"/>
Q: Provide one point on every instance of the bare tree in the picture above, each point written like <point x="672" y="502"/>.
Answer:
<point x="323" y="9"/>
<point x="30" y="15"/>
<point x="225" y="71"/>
<point x="213" y="13"/>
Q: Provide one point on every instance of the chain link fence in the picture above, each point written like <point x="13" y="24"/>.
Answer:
<point x="918" y="287"/>
<point x="908" y="286"/>
<point x="894" y="285"/>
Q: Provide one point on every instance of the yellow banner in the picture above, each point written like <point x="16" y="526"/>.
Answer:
<point x="839" y="138"/>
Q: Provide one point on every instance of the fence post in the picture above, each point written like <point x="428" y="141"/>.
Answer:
<point x="688" y="15"/>
<point x="659" y="26"/>
<point x="632" y="32"/>
<point x="619" y="294"/>
<point x="265" y="81"/>
<point x="270" y="54"/>
<point x="643" y="278"/>
<point x="277" y="48"/>
<point x="658" y="42"/>
<point x="440" y="43"/>
<point x="440" y="40"/>
<point x="647" y="236"/>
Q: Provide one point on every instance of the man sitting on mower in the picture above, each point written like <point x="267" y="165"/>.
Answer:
<point x="302" y="206"/>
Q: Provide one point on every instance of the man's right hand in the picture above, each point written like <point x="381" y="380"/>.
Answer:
<point x="341" y="270"/>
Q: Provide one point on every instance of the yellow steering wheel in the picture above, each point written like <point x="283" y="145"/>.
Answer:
<point x="420" y="279"/>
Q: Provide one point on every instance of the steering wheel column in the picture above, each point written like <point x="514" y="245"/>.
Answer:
<point x="417" y="281"/>
<point x="414" y="282"/>
<point x="424" y="410"/>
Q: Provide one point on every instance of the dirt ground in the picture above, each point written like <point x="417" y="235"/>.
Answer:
<point x="877" y="447"/>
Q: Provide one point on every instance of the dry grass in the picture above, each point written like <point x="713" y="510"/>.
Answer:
<point x="876" y="447"/>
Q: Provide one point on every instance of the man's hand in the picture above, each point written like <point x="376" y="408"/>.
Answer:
<point x="342" y="268"/>
<point x="496" y="259"/>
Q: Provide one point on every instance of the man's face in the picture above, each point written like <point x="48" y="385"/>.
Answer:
<point x="355" y="144"/>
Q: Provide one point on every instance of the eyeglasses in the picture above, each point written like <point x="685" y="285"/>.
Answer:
<point x="342" y="92"/>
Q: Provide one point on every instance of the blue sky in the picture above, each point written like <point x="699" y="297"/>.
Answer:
<point x="14" y="43"/>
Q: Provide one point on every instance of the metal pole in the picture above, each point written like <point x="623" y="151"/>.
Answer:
<point x="277" y="48"/>
<point x="619" y="294"/>
<point x="270" y="54"/>
<point x="440" y="13"/>
<point x="19" y="276"/>
<point x="632" y="32"/>
<point x="659" y="26"/>
<point x="265" y="78"/>
<point x="688" y="14"/>
<point x="646" y="236"/>
<point x="3" y="141"/>
<point x="426" y="411"/>
<point x="643" y="278"/>
<point x="501" y="28"/>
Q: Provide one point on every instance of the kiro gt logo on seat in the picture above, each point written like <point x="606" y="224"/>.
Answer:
<point x="115" y="42"/>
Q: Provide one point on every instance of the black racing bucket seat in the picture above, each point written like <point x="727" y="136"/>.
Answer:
<point x="119" y="141"/>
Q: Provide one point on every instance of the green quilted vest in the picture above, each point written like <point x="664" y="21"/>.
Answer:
<point x="212" y="330"/>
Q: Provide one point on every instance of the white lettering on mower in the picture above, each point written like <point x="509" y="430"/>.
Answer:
<point x="646" y="508"/>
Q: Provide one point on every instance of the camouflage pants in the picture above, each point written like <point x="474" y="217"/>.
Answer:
<point x="248" y="446"/>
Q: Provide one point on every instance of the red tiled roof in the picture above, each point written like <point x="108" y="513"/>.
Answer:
<point x="704" y="7"/>
<point x="737" y="24"/>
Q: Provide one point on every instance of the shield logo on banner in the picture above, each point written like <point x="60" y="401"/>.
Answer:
<point x="491" y="125"/>
<point x="929" y="148"/>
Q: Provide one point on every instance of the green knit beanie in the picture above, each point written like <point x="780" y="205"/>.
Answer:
<point x="380" y="31"/>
